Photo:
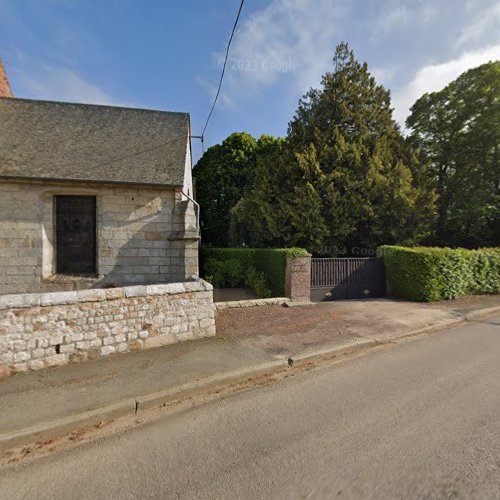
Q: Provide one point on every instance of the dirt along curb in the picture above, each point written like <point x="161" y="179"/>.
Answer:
<point x="481" y="312"/>
<point x="215" y="384"/>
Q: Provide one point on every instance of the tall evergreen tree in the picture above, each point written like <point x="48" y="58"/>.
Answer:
<point x="345" y="176"/>
<point x="281" y="210"/>
<point x="354" y="159"/>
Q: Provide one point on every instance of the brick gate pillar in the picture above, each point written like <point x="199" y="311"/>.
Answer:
<point x="298" y="278"/>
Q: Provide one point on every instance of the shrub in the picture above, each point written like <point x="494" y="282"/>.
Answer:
<point x="428" y="274"/>
<point x="262" y="269"/>
<point x="225" y="274"/>
<point x="256" y="281"/>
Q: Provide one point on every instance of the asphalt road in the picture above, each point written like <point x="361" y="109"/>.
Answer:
<point x="417" y="420"/>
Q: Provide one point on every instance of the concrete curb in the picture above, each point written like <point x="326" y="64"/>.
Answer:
<point x="481" y="312"/>
<point x="371" y="341"/>
<point x="48" y="430"/>
<point x="162" y="398"/>
<point x="135" y="406"/>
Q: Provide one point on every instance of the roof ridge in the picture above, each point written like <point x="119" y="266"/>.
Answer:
<point x="68" y="103"/>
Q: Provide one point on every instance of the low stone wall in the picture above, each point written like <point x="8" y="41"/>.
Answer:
<point x="273" y="301"/>
<point x="47" y="329"/>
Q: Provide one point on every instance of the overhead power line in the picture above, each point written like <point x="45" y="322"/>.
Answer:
<point x="202" y="136"/>
<point x="222" y="73"/>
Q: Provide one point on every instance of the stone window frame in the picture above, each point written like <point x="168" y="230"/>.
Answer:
<point x="48" y="230"/>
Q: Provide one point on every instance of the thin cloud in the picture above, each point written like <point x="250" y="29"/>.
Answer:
<point x="435" y="77"/>
<point x="288" y="45"/>
<point x="211" y="91"/>
<point x="395" y="15"/>
<point x="383" y="75"/>
<point x="288" y="40"/>
<point x="485" y="23"/>
<point x="58" y="83"/>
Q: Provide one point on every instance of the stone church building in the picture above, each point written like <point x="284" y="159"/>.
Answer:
<point x="98" y="233"/>
<point x="93" y="196"/>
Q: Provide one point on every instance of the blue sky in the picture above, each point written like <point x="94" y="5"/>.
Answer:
<point x="167" y="54"/>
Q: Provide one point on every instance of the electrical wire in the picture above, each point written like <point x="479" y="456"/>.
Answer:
<point x="202" y="136"/>
<point x="223" y="70"/>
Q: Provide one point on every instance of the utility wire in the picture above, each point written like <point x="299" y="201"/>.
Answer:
<point x="202" y="136"/>
<point x="223" y="71"/>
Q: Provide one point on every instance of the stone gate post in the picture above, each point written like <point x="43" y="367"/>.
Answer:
<point x="298" y="278"/>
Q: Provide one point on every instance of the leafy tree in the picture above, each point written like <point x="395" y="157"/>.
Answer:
<point x="281" y="210"/>
<point x="344" y="177"/>
<point x="458" y="130"/>
<point x="222" y="175"/>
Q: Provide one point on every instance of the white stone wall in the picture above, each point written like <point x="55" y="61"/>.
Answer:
<point x="143" y="236"/>
<point x="41" y="330"/>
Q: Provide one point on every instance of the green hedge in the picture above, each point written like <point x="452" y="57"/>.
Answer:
<point x="262" y="269"/>
<point x="427" y="274"/>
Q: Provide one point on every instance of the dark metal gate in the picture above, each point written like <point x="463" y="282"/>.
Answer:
<point x="347" y="278"/>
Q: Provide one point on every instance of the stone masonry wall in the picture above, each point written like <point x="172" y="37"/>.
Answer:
<point x="298" y="279"/>
<point x="144" y="236"/>
<point x="41" y="330"/>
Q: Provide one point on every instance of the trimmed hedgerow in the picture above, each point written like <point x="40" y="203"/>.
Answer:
<point x="428" y="274"/>
<point x="261" y="269"/>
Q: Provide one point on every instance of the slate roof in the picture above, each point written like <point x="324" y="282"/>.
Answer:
<point x="86" y="142"/>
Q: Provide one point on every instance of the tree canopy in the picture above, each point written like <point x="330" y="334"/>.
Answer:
<point x="458" y="130"/>
<point x="221" y="176"/>
<point x="344" y="177"/>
